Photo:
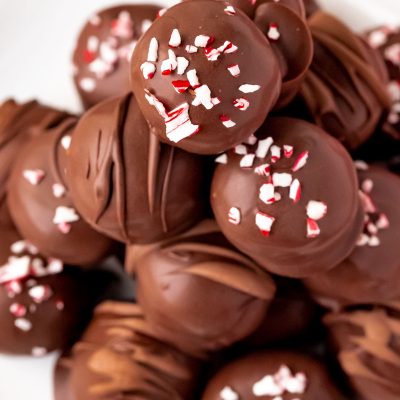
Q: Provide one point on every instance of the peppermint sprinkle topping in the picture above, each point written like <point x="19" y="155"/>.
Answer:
<point x="273" y="32"/>
<point x="301" y="161"/>
<point x="234" y="216"/>
<point x="222" y="159"/>
<point x="175" y="40"/>
<point x="312" y="229"/>
<point x="40" y="293"/>
<point x="193" y="79"/>
<point x="152" y="55"/>
<point x="281" y="179"/>
<point x="240" y="149"/>
<point x="316" y="210"/>
<point x="226" y="121"/>
<point x="275" y="154"/>
<point x="234" y="70"/>
<point x="23" y="324"/>
<point x="247" y="161"/>
<point x="65" y="214"/>
<point x="178" y="124"/>
<point x="241" y="103"/>
<point x="39" y="352"/>
<point x="264" y="222"/>
<point x="191" y="49"/>
<point x="230" y="10"/>
<point x="59" y="190"/>
<point x="267" y="193"/>
<point x="247" y="88"/>
<point x="66" y="142"/>
<point x="361" y="165"/>
<point x="295" y="191"/>
<point x="148" y="69"/>
<point x="228" y="393"/>
<point x="263" y="147"/>
<point x="34" y="176"/>
<point x="183" y="63"/>
<point x="18" y="310"/>
<point x="181" y="85"/>
<point x="263" y="170"/>
<point x="87" y="84"/>
<point x="287" y="151"/>
<point x="203" y="40"/>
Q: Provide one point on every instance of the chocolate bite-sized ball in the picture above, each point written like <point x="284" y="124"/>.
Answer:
<point x="44" y="305"/>
<point x="207" y="85"/>
<point x="41" y="206"/>
<point x="128" y="185"/>
<point x="272" y="375"/>
<point x="367" y="343"/>
<point x="19" y="122"/>
<point x="201" y="295"/>
<point x="371" y="273"/>
<point x="345" y="88"/>
<point x="387" y="41"/>
<point x="104" y="49"/>
<point x="119" y="357"/>
<point x="292" y="43"/>
<point x="289" y="198"/>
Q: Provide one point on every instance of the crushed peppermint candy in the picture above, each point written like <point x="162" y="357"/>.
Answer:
<point x="58" y="190"/>
<point x="23" y="324"/>
<point x="247" y="161"/>
<point x="263" y="170"/>
<point x="316" y="210"/>
<point x="226" y="121"/>
<point x="148" y="69"/>
<point x="234" y="216"/>
<point x="222" y="159"/>
<point x="267" y="193"/>
<point x="227" y="393"/>
<point x="264" y="222"/>
<point x="263" y="147"/>
<point x="234" y="70"/>
<point x="203" y="41"/>
<point x="241" y="103"/>
<point x="230" y="10"/>
<point x="247" y="88"/>
<point x="295" y="191"/>
<point x="175" y="40"/>
<point x="183" y="63"/>
<point x="33" y="176"/>
<point x="39" y="351"/>
<point x="66" y="142"/>
<point x="273" y="32"/>
<point x="181" y="85"/>
<point x="191" y="49"/>
<point x="88" y="85"/>
<point x="301" y="161"/>
<point x="65" y="214"/>
<point x="287" y="151"/>
<point x="282" y="179"/>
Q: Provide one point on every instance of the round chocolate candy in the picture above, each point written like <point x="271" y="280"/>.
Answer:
<point x="205" y="86"/>
<point x="104" y="48"/>
<point x="119" y="357"/>
<point x="345" y="88"/>
<point x="372" y="271"/>
<point x="41" y="206"/>
<point x="199" y="294"/>
<point x="292" y="43"/>
<point x="387" y="41"/>
<point x="367" y="345"/>
<point x="128" y="185"/>
<point x="272" y="375"/>
<point x="288" y="198"/>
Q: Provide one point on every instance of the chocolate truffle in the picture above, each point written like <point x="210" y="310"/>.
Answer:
<point x="43" y="304"/>
<point x="271" y="376"/>
<point x="387" y="41"/>
<point x="289" y="198"/>
<point x="199" y="294"/>
<point x="367" y="343"/>
<point x="128" y="185"/>
<point x="292" y="43"/>
<point x="371" y="273"/>
<point x="41" y="206"/>
<point x="204" y="86"/>
<point x="104" y="49"/>
<point x="19" y="122"/>
<point x="119" y="357"/>
<point x="345" y="88"/>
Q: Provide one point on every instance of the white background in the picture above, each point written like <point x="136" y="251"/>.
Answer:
<point x="36" y="42"/>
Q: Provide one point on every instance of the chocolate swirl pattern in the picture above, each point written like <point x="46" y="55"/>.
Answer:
<point x="368" y="348"/>
<point x="120" y="357"/>
<point x="112" y="154"/>
<point x="200" y="294"/>
<point x="344" y="89"/>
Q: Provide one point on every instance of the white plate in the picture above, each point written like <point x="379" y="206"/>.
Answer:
<point x="36" y="41"/>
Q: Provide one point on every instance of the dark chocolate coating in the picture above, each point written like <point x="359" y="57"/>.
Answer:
<point x="125" y="183"/>
<point x="387" y="40"/>
<point x="371" y="273"/>
<point x="294" y="48"/>
<point x="256" y="60"/>
<point x="345" y="88"/>
<point x="295" y="5"/>
<point x="367" y="343"/>
<point x="19" y="122"/>
<point x="102" y="53"/>
<point x="34" y="207"/>
<point x="328" y="176"/>
<point x="311" y="7"/>
<point x="201" y="295"/>
<point x="241" y="376"/>
<point x="119" y="357"/>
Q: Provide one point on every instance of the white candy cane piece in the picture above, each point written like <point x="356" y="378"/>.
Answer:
<point x="59" y="190"/>
<point x="301" y="161"/>
<point x="230" y="10"/>
<point x="240" y="149"/>
<point x="65" y="214"/>
<point x="361" y="165"/>
<point x="181" y="85"/>
<point x="247" y="161"/>
<point x="152" y="55"/>
<point x="40" y="293"/>
<point x="275" y="153"/>
<point x="191" y="49"/>
<point x="264" y="222"/>
<point x="241" y="103"/>
<point x="234" y="216"/>
<point x="34" y="176"/>
<point x="267" y="193"/>
<point x="247" y="88"/>
<point x="202" y="40"/>
<point x="281" y="179"/>
<point x="148" y="70"/>
<point x="226" y="121"/>
<point x="316" y="210"/>
<point x="263" y="147"/>
<point x="203" y="94"/>
<point x="192" y="78"/>
<point x="228" y="393"/>
<point x="183" y="63"/>
<point x="234" y="70"/>
<point x="222" y="159"/>
<point x="273" y="32"/>
<point x="178" y="124"/>
<point x="295" y="191"/>
<point x="66" y="142"/>
<point x="175" y="40"/>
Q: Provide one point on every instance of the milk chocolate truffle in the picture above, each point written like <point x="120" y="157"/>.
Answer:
<point x="387" y="41"/>
<point x="43" y="304"/>
<point x="368" y="350"/>
<point x="41" y="205"/>
<point x="104" y="49"/>
<point x="371" y="273"/>
<point x="288" y="198"/>
<point x="128" y="185"/>
<point x="119" y="357"/>
<point x="345" y="88"/>
<point x="204" y="76"/>
<point x="292" y="43"/>
<point x="270" y="376"/>
<point x="199" y="294"/>
<point x="19" y="122"/>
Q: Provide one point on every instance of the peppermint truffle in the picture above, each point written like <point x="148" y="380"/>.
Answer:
<point x="345" y="88"/>
<point x="41" y="205"/>
<point x="19" y="122"/>
<point x="120" y="357"/>
<point x="367" y="346"/>
<point x="199" y="294"/>
<point x="104" y="49"/>
<point x="292" y="43"/>
<point x="44" y="305"/>
<point x="272" y="375"/>
<point x="288" y="198"/>
<point x="372" y="271"/>
<point x="204" y="86"/>
<point x="387" y="41"/>
<point x="125" y="183"/>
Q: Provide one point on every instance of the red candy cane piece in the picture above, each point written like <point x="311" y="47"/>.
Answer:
<point x="367" y="185"/>
<point x="181" y="85"/>
<point x="287" y="151"/>
<point x="312" y="229"/>
<point x="178" y="124"/>
<point x="17" y="310"/>
<point x="40" y="293"/>
<point x="301" y="161"/>
<point x="267" y="193"/>
<point x="230" y="10"/>
<point x="34" y="176"/>
<point x="234" y="70"/>
<point x="226" y="121"/>
<point x="264" y="222"/>
<point x="382" y="222"/>
<point x="241" y="103"/>
<point x="273" y="33"/>
<point x="263" y="170"/>
<point x="275" y="154"/>
<point x="148" y="70"/>
<point x="295" y="191"/>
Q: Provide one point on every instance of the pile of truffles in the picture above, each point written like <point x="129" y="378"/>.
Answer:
<point x="221" y="223"/>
